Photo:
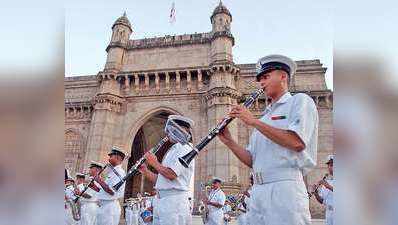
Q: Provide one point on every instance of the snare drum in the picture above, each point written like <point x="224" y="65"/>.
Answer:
<point x="147" y="216"/>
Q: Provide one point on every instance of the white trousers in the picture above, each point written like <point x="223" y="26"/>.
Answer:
<point x="329" y="217"/>
<point x="88" y="213"/>
<point x="280" y="203"/>
<point x="108" y="213"/>
<point x="69" y="217"/>
<point x="132" y="217"/>
<point x="215" y="218"/>
<point x="241" y="219"/>
<point x="172" y="210"/>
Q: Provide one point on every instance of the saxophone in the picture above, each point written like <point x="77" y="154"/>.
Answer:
<point x="74" y="207"/>
<point x="203" y="208"/>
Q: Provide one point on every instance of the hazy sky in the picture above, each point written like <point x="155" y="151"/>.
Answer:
<point x="298" y="29"/>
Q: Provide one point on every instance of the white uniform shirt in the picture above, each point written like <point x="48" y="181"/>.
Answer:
<point x="327" y="195"/>
<point x="111" y="179"/>
<point x="296" y="113"/>
<point x="216" y="196"/>
<point x="226" y="208"/>
<point x="89" y="191"/>
<point x="69" y="192"/>
<point x="184" y="175"/>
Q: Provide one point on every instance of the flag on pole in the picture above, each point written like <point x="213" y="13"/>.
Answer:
<point x="173" y="13"/>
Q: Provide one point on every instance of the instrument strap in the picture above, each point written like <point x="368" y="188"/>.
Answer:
<point x="115" y="172"/>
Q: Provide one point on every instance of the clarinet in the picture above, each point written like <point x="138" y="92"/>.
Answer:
<point x="186" y="159"/>
<point x="91" y="181"/>
<point x="310" y="194"/>
<point x="134" y="169"/>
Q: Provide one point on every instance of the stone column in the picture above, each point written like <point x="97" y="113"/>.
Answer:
<point x="126" y="82"/>
<point x="178" y="81"/>
<point x="167" y="81"/>
<point x="219" y="160"/>
<point x="104" y="121"/>
<point x="189" y="74"/>
<point x="137" y="83"/>
<point x="157" y="82"/>
<point x="200" y="79"/>
<point x="146" y="81"/>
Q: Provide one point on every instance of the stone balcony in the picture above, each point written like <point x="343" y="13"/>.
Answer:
<point x="167" y="82"/>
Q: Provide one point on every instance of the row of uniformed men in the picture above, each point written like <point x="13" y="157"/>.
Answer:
<point x="99" y="203"/>
<point x="281" y="150"/>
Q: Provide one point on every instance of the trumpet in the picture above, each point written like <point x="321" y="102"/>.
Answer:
<point x="310" y="194"/>
<point x="186" y="159"/>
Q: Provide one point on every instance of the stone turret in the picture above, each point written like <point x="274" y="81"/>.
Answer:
<point x="221" y="95"/>
<point x="121" y="31"/>
<point x="222" y="39"/>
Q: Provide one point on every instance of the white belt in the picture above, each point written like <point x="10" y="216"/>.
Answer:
<point x="89" y="202"/>
<point x="277" y="175"/>
<point x="170" y="192"/>
<point x="102" y="202"/>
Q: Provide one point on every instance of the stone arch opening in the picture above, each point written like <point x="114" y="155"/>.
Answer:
<point x="147" y="136"/>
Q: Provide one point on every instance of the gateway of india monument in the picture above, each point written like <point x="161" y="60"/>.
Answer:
<point x="145" y="80"/>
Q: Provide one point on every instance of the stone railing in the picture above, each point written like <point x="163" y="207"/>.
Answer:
<point x="78" y="111"/>
<point x="197" y="38"/>
<point x="137" y="83"/>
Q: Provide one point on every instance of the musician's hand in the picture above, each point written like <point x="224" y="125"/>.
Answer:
<point x="205" y="201"/>
<point x="151" y="159"/>
<point x="243" y="114"/>
<point x="99" y="179"/>
<point x="225" y="136"/>
<point x="143" y="169"/>
<point x="77" y="192"/>
<point x="322" y="182"/>
<point x="313" y="188"/>
<point x="326" y="184"/>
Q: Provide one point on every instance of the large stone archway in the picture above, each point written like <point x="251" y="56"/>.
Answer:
<point x="147" y="136"/>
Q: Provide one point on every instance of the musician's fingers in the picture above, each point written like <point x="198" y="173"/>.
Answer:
<point x="234" y="114"/>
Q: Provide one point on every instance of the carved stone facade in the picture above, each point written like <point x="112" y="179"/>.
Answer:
<point x="194" y="75"/>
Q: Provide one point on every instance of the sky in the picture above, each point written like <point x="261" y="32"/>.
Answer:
<point x="299" y="29"/>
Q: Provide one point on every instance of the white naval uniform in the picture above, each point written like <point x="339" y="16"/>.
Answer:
<point x="226" y="209"/>
<point x="216" y="215"/>
<point x="327" y="196"/>
<point x="248" y="203"/>
<point x="172" y="205"/>
<point x="89" y="206"/>
<point x="279" y="195"/>
<point x="70" y="195"/>
<point x="132" y="214"/>
<point x="241" y="218"/>
<point x="109" y="208"/>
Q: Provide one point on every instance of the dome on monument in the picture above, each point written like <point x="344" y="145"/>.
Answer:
<point x="221" y="9"/>
<point x="123" y="20"/>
